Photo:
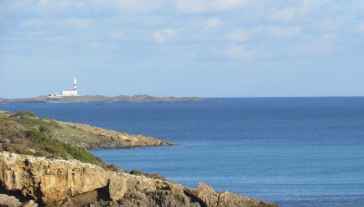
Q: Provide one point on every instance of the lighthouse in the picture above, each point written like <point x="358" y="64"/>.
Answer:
<point x="74" y="87"/>
<point x="71" y="92"/>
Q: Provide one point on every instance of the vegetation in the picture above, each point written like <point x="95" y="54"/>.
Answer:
<point x="24" y="133"/>
<point x="24" y="114"/>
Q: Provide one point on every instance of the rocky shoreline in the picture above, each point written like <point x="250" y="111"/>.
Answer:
<point x="107" y="139"/>
<point x="100" y="99"/>
<point x="44" y="162"/>
<point x="45" y="182"/>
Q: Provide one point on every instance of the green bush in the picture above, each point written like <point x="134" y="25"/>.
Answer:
<point x="56" y="147"/>
<point x="43" y="129"/>
<point x="79" y="153"/>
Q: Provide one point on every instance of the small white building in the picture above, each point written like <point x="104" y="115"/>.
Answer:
<point x="69" y="92"/>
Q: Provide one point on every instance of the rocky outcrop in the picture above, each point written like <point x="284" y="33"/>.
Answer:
<point x="73" y="183"/>
<point x="108" y="138"/>
<point x="80" y="135"/>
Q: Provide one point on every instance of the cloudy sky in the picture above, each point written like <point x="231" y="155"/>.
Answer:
<point x="206" y="48"/>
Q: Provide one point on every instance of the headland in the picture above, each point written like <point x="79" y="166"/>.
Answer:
<point x="44" y="162"/>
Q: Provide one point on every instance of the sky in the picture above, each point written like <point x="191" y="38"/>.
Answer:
<point x="204" y="48"/>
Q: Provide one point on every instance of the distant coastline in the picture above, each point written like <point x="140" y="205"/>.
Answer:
<point x="99" y="98"/>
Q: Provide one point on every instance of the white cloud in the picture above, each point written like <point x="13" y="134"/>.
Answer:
<point x="239" y="52"/>
<point x="166" y="35"/>
<point x="203" y="6"/>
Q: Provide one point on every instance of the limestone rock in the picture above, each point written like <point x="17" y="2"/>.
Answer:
<point x="73" y="183"/>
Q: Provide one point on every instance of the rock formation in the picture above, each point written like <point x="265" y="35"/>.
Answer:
<point x="73" y="183"/>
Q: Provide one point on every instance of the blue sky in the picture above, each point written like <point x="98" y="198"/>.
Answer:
<point x="206" y="48"/>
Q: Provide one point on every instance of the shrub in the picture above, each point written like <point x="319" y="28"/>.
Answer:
<point x="43" y="129"/>
<point x="79" y="153"/>
<point x="51" y="145"/>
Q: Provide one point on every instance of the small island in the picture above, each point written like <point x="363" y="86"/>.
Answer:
<point x="44" y="162"/>
<point x="100" y="99"/>
<point x="72" y="96"/>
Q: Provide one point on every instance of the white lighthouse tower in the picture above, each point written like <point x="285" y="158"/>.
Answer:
<point x="74" y="87"/>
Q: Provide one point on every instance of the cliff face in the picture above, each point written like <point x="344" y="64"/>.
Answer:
<point x="73" y="183"/>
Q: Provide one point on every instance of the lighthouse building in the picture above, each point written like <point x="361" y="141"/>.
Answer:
<point x="65" y="92"/>
<point x="70" y="92"/>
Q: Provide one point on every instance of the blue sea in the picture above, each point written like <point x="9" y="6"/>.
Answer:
<point x="292" y="151"/>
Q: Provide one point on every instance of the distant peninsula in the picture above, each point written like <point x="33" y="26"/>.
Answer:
<point x="99" y="98"/>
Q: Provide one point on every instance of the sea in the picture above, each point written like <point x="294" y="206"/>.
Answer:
<point x="296" y="152"/>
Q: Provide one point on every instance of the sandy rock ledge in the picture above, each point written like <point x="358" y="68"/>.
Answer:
<point x="72" y="183"/>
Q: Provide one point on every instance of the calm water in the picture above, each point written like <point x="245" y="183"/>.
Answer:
<point x="293" y="151"/>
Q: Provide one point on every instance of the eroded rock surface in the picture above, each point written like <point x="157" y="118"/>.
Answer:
<point x="73" y="183"/>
